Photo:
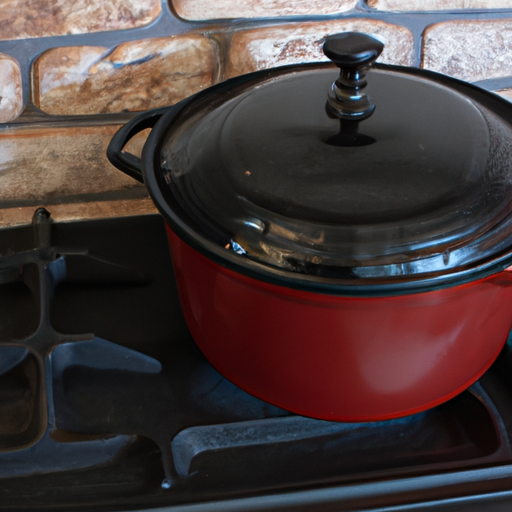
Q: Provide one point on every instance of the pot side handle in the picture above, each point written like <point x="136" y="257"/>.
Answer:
<point x="124" y="161"/>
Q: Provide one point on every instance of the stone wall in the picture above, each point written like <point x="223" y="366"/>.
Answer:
<point x="108" y="56"/>
<point x="72" y="72"/>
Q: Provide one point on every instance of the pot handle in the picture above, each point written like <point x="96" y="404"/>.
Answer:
<point x="124" y="161"/>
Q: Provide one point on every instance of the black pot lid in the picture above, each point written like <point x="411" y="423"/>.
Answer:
<point x="417" y="179"/>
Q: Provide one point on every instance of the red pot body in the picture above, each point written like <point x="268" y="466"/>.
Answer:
<point x="342" y="358"/>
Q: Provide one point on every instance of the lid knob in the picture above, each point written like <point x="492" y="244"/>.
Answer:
<point x="353" y="53"/>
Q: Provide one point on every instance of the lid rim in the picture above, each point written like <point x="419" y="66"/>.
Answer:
<point x="405" y="284"/>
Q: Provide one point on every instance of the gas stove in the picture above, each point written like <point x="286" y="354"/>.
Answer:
<point x="107" y="404"/>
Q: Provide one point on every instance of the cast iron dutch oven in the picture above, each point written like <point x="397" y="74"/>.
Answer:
<point x="341" y="247"/>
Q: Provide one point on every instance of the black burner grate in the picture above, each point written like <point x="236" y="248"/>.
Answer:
<point x="142" y="420"/>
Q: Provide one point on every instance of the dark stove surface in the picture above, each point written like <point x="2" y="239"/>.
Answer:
<point x="107" y="404"/>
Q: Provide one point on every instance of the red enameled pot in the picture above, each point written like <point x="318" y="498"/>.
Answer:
<point x="342" y="257"/>
<point x="342" y="358"/>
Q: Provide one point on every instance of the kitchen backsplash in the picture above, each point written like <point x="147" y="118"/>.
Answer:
<point x="208" y="41"/>
<point x="100" y="59"/>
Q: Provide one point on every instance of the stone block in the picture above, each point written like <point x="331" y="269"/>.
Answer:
<point x="229" y="9"/>
<point x="437" y="5"/>
<point x="11" y="94"/>
<point x="505" y="93"/>
<point x="67" y="212"/>
<point x="280" y="45"/>
<point x="20" y="19"/>
<point x="469" y="49"/>
<point x="136" y="75"/>
<point x="49" y="164"/>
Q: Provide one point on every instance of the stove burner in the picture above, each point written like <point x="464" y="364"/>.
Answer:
<point x="130" y="415"/>
<point x="34" y="369"/>
<point x="81" y="384"/>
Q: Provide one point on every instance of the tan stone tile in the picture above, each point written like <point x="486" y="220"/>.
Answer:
<point x="43" y="164"/>
<point x="505" y="93"/>
<point x="11" y="95"/>
<point x="63" y="68"/>
<point x="469" y="49"/>
<point x="39" y="18"/>
<point x="437" y="5"/>
<point x="10" y="217"/>
<point x="135" y="145"/>
<point x="226" y="9"/>
<point x="294" y="43"/>
<point x="136" y="75"/>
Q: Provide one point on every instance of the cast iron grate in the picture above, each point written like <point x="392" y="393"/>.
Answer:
<point x="77" y="409"/>
<point x="37" y="426"/>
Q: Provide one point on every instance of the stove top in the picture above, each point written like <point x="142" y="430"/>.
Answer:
<point x="107" y="404"/>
